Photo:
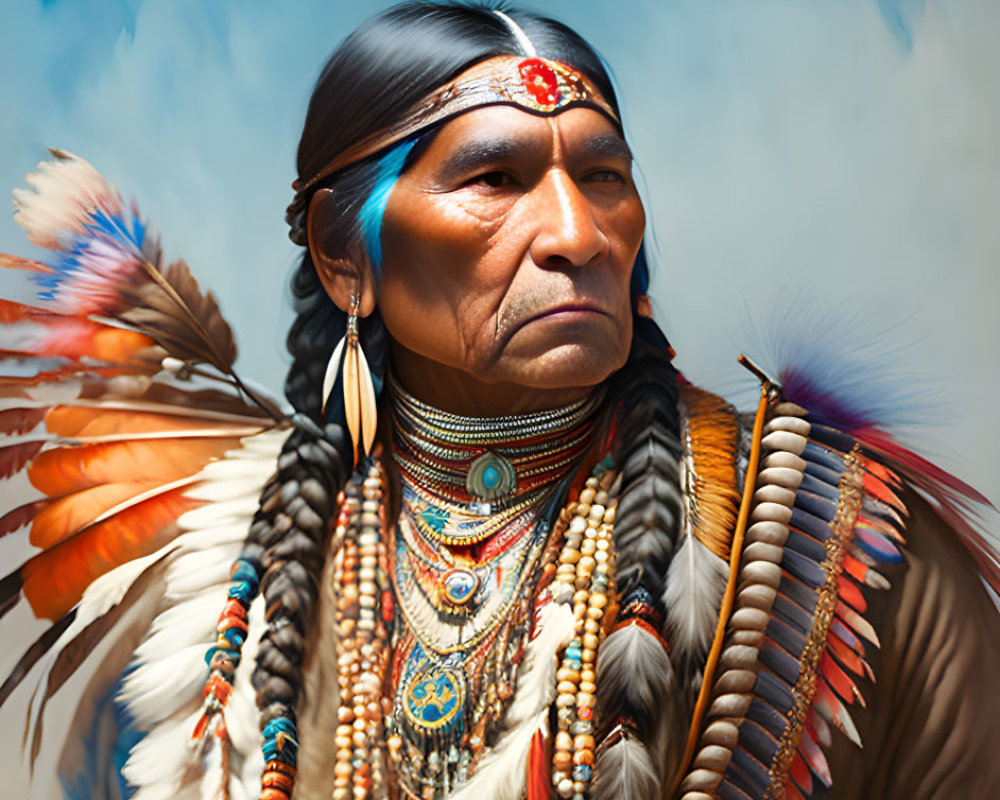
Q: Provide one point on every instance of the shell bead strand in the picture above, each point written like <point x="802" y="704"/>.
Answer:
<point x="586" y="569"/>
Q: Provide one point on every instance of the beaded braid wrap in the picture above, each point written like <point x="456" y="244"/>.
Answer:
<point x="586" y="567"/>
<point x="363" y="618"/>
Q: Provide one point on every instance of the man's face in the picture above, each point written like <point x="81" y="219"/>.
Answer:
<point x="508" y="248"/>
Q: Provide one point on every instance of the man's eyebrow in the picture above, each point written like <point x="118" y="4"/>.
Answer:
<point x="480" y="153"/>
<point x="608" y="145"/>
<point x="476" y="154"/>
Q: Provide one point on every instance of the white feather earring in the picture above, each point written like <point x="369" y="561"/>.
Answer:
<point x="360" y="409"/>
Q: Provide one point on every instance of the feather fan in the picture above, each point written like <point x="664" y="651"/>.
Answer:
<point x="137" y="456"/>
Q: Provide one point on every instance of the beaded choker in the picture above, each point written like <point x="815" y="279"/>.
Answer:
<point x="485" y="466"/>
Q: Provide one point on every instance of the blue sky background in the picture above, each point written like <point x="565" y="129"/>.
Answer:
<point x="840" y="159"/>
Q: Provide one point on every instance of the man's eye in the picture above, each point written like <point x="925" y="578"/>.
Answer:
<point x="494" y="179"/>
<point x="605" y="176"/>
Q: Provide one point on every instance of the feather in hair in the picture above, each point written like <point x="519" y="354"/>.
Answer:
<point x="698" y="572"/>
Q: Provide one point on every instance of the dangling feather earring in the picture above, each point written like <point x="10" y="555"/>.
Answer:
<point x="360" y="409"/>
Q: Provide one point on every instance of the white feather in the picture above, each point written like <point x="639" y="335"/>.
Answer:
<point x="332" y="368"/>
<point x="696" y="582"/>
<point x="502" y="772"/>
<point x="624" y="771"/>
<point x="163" y="693"/>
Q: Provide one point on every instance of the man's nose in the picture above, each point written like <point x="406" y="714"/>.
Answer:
<point x="567" y="231"/>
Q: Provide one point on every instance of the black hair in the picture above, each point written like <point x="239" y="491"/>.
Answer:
<point x="376" y="75"/>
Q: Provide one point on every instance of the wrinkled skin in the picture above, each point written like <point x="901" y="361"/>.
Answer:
<point x="507" y="252"/>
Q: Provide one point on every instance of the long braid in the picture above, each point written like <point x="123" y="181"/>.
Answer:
<point x="641" y="726"/>
<point x="293" y="523"/>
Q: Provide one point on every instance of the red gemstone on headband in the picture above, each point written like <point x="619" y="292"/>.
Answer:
<point x="540" y="81"/>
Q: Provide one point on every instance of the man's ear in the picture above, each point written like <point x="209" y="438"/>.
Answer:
<point x="345" y="275"/>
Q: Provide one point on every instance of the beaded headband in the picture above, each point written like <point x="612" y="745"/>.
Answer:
<point x="538" y="85"/>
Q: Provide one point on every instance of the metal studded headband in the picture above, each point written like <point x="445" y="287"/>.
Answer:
<point x="538" y="85"/>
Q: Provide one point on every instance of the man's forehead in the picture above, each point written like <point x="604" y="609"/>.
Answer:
<point x="503" y="132"/>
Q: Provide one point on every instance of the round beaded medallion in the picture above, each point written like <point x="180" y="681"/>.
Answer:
<point x="434" y="697"/>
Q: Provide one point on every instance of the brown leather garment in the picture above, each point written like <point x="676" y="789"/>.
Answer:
<point x="931" y="730"/>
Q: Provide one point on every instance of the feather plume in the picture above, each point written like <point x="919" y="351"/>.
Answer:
<point x="625" y="771"/>
<point x="108" y="264"/>
<point x="332" y="370"/>
<point x="695" y="585"/>
<point x="366" y="402"/>
<point x="187" y="323"/>
<point x="853" y="384"/>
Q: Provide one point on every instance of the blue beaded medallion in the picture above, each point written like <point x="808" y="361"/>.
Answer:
<point x="433" y="697"/>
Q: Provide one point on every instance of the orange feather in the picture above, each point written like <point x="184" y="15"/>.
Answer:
<point x="54" y="581"/>
<point x="848" y="591"/>
<point x="538" y="769"/>
<point x="64" y="470"/>
<point x="67" y="515"/>
<point x="799" y="772"/>
<point x="86" y="421"/>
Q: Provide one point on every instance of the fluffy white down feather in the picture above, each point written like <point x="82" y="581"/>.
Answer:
<point x="163" y="693"/>
<point x="502" y="772"/>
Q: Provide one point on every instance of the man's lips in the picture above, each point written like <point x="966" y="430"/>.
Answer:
<point x="565" y="312"/>
<point x="568" y="310"/>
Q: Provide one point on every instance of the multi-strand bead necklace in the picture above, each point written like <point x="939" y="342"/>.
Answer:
<point x="435" y="614"/>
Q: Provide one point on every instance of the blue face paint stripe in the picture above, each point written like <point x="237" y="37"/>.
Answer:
<point x="370" y="216"/>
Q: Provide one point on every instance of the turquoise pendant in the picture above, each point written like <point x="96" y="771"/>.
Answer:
<point x="490" y="476"/>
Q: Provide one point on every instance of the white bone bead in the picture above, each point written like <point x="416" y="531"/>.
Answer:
<point x="757" y="595"/>
<point x="739" y="681"/>
<point x="761" y="551"/>
<point x="721" y="732"/>
<point x="729" y="705"/>
<point x="774" y="494"/>
<point x="789" y="409"/>
<point x="713" y="758"/>
<point x="768" y="532"/>
<point x="785" y="440"/>
<point x="788" y="460"/>
<point x="771" y="512"/>
<point x="761" y="572"/>
<point x="750" y="619"/>
<point x="739" y="656"/>
<point x="781" y="476"/>
<point x="790" y="424"/>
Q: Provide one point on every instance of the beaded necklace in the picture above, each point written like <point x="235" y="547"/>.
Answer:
<point x="486" y="467"/>
<point x="435" y="615"/>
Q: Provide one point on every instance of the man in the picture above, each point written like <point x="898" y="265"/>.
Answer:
<point x="547" y="541"/>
